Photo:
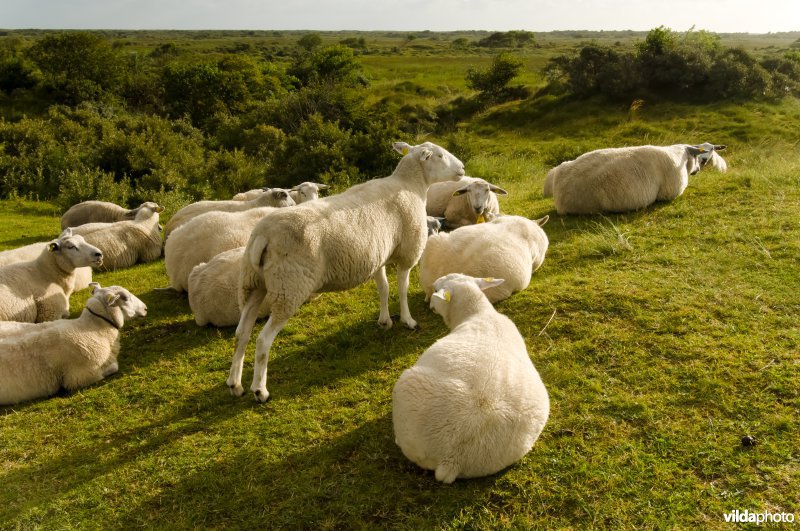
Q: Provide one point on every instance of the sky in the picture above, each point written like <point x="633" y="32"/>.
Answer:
<point x="723" y="16"/>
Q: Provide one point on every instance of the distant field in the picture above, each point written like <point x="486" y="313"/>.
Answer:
<point x="663" y="336"/>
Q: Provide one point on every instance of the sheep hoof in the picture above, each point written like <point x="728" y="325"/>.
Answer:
<point x="236" y="390"/>
<point x="387" y="324"/>
<point x="262" y="395"/>
<point x="412" y="324"/>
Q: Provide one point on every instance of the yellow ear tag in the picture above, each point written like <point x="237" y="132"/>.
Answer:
<point x="109" y="298"/>
<point x="489" y="279"/>
<point x="481" y="219"/>
<point x="446" y="296"/>
<point x="405" y="151"/>
<point x="702" y="150"/>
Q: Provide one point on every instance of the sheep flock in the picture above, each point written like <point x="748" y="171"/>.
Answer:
<point x="473" y="403"/>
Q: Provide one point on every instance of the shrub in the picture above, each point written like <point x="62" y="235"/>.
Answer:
<point x="492" y="83"/>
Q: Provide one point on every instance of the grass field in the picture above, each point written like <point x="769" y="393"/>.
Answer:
<point x="663" y="336"/>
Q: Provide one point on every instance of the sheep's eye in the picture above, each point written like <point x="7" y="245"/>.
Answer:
<point x="70" y="247"/>
<point x="441" y="156"/>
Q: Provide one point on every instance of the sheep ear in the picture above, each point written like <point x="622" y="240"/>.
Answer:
<point x="159" y="209"/>
<point x="719" y="147"/>
<point x="694" y="151"/>
<point x="461" y="191"/>
<point x="542" y="221"/>
<point x="497" y="190"/>
<point x="94" y="286"/>
<point x="401" y="147"/>
<point x="53" y="247"/>
<point x="322" y="186"/>
<point x="425" y="154"/>
<point x="442" y="294"/>
<point x="111" y="298"/>
<point x="66" y="233"/>
<point x="488" y="282"/>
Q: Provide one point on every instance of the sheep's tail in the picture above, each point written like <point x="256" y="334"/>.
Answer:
<point x="251" y="276"/>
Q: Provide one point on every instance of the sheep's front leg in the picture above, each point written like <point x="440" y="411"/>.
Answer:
<point x="384" y="320"/>
<point x="243" y="330"/>
<point x="263" y="346"/>
<point x="402" y="289"/>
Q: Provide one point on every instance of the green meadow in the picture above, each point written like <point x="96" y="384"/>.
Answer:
<point x="663" y="337"/>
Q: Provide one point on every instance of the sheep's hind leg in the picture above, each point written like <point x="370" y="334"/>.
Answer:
<point x="274" y="325"/>
<point x="402" y="289"/>
<point x="384" y="320"/>
<point x="243" y="330"/>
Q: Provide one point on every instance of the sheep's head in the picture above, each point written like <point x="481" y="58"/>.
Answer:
<point x="76" y="250"/>
<point x="438" y="164"/>
<point x="434" y="225"/>
<point x="147" y="210"/>
<point x="456" y="288"/>
<point x="702" y="154"/>
<point x="275" y="197"/>
<point x="115" y="303"/>
<point x="479" y="194"/>
<point x="308" y="191"/>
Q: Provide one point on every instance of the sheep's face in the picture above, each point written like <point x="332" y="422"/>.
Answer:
<point x="479" y="194"/>
<point x="76" y="250"/>
<point x="148" y="210"/>
<point x="308" y="191"/>
<point x="438" y="164"/>
<point x="118" y="297"/>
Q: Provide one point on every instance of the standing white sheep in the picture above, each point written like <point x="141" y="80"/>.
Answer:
<point x="125" y="243"/>
<point x="473" y="403"/>
<point x="295" y="252"/>
<point x="39" y="290"/>
<point x="99" y="212"/>
<point x="509" y="247"/>
<point x="301" y="193"/>
<point x="36" y="360"/>
<point x="625" y="179"/>
<point x="466" y="202"/>
<point x="202" y="238"/>
<point x="275" y="197"/>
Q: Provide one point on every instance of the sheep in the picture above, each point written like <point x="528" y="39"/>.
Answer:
<point x="26" y="253"/>
<point x="125" y="243"/>
<point x="204" y="237"/>
<point x="626" y="179"/>
<point x="39" y="290"/>
<point x="473" y="403"/>
<point x="38" y="360"/>
<point x="434" y="224"/>
<point x="466" y="202"/>
<point x="294" y="252"/>
<point x="301" y="193"/>
<point x="99" y="212"/>
<point x="275" y="197"/>
<point x="510" y="247"/>
<point x="213" y="290"/>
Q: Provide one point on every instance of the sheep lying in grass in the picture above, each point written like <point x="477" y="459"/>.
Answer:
<point x="625" y="179"/>
<point x="36" y="360"/>
<point x="466" y="202"/>
<point x="204" y="237"/>
<point x="83" y="275"/>
<point x="509" y="247"/>
<point x="294" y="252"/>
<point x="99" y="212"/>
<point x="125" y="243"/>
<point x="301" y="193"/>
<point x="473" y="403"/>
<point x="275" y="197"/>
<point x="213" y="290"/>
<point x="39" y="290"/>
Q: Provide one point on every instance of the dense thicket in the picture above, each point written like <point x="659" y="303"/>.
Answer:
<point x="689" y="66"/>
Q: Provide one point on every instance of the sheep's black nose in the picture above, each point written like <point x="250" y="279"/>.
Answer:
<point x="98" y="254"/>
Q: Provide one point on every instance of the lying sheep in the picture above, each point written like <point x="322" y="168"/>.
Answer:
<point x="473" y="403"/>
<point x="39" y="290"/>
<point x="301" y="193"/>
<point x="125" y="243"/>
<point x="275" y="197"/>
<point x="625" y="179"/>
<point x="83" y="275"/>
<point x="204" y="237"/>
<point x="294" y="252"/>
<point x="213" y="290"/>
<point x="99" y="212"/>
<point x="466" y="202"/>
<point x="509" y="247"/>
<point x="38" y="360"/>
